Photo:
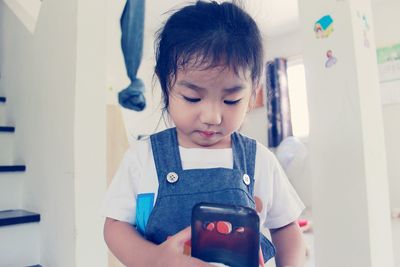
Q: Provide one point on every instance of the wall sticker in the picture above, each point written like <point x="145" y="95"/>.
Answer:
<point x="323" y="27"/>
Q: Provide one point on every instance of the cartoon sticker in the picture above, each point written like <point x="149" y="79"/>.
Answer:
<point x="324" y="27"/>
<point x="331" y="59"/>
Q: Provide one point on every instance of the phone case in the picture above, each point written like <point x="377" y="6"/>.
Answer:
<point x="225" y="234"/>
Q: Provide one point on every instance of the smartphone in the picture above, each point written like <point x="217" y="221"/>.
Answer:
<point x="226" y="234"/>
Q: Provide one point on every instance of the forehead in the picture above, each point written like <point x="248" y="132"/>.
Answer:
<point x="213" y="73"/>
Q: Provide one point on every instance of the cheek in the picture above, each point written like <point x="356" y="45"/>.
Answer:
<point x="180" y="113"/>
<point x="237" y="115"/>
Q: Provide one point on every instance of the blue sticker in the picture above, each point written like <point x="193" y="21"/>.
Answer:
<point x="144" y="206"/>
<point x="323" y="27"/>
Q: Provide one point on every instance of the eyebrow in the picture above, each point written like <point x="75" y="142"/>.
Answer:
<point x="195" y="87"/>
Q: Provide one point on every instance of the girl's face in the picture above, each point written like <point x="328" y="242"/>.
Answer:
<point x="207" y="105"/>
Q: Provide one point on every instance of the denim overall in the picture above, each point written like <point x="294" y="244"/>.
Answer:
<point x="179" y="190"/>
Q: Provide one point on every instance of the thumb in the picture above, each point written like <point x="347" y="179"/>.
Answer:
<point x="183" y="236"/>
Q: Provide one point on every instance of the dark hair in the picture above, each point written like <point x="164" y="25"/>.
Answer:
<point x="208" y="34"/>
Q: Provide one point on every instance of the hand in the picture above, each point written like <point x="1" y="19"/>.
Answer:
<point x="260" y="259"/>
<point x="170" y="253"/>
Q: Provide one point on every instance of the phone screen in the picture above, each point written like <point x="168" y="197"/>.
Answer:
<point x="225" y="234"/>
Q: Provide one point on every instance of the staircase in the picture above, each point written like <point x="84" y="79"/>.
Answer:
<point x="19" y="229"/>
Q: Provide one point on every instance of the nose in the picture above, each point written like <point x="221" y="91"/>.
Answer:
<point x="211" y="114"/>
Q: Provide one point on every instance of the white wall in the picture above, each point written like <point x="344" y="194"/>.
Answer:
<point x="55" y="84"/>
<point x="347" y="148"/>
<point x="38" y="77"/>
<point x="90" y="133"/>
<point x="286" y="45"/>
<point x="387" y="33"/>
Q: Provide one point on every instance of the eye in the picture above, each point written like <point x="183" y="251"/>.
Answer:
<point x="232" y="102"/>
<point x="191" y="100"/>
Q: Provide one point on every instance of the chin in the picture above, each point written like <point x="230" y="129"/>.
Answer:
<point x="207" y="144"/>
<point x="215" y="143"/>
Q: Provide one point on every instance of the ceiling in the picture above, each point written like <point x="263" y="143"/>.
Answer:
<point x="275" y="17"/>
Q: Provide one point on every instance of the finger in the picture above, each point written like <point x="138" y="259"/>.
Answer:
<point x="183" y="236"/>
<point x="193" y="262"/>
<point x="261" y="259"/>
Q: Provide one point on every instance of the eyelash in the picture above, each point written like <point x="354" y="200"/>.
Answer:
<point x="234" y="102"/>
<point x="195" y="100"/>
<point x="191" y="100"/>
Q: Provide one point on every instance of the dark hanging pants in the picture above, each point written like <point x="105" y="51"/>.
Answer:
<point x="132" y="27"/>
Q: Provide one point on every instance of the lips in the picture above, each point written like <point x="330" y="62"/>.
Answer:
<point x="207" y="134"/>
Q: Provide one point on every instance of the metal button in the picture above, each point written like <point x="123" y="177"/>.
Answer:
<point x="172" y="177"/>
<point x="246" y="179"/>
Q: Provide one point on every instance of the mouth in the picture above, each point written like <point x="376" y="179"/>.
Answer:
<point x="207" y="134"/>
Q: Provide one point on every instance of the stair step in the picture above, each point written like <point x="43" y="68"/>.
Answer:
<point x="7" y="149"/>
<point x="15" y="168"/>
<point x="11" y="191"/>
<point x="12" y="217"/>
<point x="20" y="245"/>
<point x="2" y="99"/>
<point x="4" y="117"/>
<point x="8" y="129"/>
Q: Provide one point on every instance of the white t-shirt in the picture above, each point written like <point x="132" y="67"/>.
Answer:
<point x="280" y="204"/>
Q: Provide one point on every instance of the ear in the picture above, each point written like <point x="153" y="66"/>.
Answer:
<point x="253" y="97"/>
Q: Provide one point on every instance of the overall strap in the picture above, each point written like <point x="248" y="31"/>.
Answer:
<point x="166" y="151"/>
<point x="244" y="156"/>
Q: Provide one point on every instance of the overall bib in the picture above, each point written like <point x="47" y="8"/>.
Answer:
<point x="179" y="190"/>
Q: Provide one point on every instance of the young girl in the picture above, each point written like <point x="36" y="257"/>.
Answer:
<point x="209" y="64"/>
